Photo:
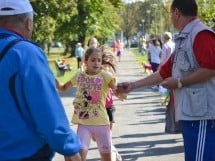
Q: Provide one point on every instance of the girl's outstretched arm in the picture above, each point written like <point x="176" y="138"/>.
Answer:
<point x="64" y="87"/>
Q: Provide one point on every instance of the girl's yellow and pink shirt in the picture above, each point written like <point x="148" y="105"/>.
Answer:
<point x="89" y="102"/>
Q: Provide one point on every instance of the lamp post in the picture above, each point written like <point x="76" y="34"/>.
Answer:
<point x="140" y="38"/>
<point x="143" y="25"/>
<point x="156" y="18"/>
<point x="149" y="21"/>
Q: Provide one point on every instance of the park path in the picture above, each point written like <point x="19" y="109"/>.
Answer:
<point x="138" y="133"/>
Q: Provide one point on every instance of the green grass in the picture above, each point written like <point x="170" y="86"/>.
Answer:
<point x="56" y="54"/>
<point x="139" y="57"/>
<point x="68" y="74"/>
<point x="56" y="51"/>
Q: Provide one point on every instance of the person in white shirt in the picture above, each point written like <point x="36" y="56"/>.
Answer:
<point x="154" y="54"/>
<point x="168" y="47"/>
<point x="79" y="54"/>
<point x="171" y="125"/>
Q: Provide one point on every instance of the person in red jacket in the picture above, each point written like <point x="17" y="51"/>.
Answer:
<point x="190" y="73"/>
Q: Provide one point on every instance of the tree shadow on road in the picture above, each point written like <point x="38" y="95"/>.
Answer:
<point x="140" y="149"/>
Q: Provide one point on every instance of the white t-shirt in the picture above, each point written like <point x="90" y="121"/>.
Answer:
<point x="155" y="53"/>
<point x="167" y="50"/>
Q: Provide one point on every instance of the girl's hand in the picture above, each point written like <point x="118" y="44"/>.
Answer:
<point x="121" y="96"/>
<point x="124" y="87"/>
<point x="57" y="83"/>
<point x="119" y="92"/>
<point x="64" y="87"/>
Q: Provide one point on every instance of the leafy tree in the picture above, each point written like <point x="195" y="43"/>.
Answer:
<point x="47" y="21"/>
<point x="130" y="18"/>
<point x="44" y="24"/>
<point x="94" y="18"/>
<point x="106" y="20"/>
<point x="149" y="16"/>
<point x="206" y="12"/>
<point x="74" y="21"/>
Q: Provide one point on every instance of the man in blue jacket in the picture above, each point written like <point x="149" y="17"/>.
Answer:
<point x="33" y="123"/>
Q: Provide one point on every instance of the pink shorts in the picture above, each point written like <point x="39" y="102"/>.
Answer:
<point x="100" y="132"/>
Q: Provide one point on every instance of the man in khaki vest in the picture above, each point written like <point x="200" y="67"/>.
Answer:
<point x="190" y="73"/>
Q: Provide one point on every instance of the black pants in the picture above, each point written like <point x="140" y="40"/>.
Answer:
<point x="111" y="111"/>
<point x="79" y="60"/>
<point x="44" y="154"/>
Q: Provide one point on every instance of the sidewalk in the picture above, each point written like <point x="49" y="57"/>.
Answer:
<point x="138" y="133"/>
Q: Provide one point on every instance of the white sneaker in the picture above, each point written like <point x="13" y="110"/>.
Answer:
<point x="116" y="155"/>
<point x="155" y="87"/>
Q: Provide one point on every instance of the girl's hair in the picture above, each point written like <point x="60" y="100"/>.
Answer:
<point x="156" y="42"/>
<point x="90" y="51"/>
<point x="94" y="40"/>
<point x="108" y="58"/>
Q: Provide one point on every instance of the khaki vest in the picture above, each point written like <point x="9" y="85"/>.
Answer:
<point x="197" y="101"/>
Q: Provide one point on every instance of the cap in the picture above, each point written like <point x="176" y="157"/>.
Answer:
<point x="167" y="35"/>
<point x="78" y="44"/>
<point x="12" y="7"/>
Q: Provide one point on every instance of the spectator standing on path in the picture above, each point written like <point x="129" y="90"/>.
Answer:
<point x="190" y="72"/>
<point x="154" y="52"/>
<point x="119" y="49"/>
<point x="166" y="51"/>
<point x="144" y="46"/>
<point x="93" y="42"/>
<point x="33" y="123"/>
<point x="115" y="47"/>
<point x="168" y="48"/>
<point x="79" y="54"/>
<point x="89" y="104"/>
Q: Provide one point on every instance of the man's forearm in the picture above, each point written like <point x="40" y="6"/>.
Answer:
<point x="201" y="75"/>
<point x="153" y="79"/>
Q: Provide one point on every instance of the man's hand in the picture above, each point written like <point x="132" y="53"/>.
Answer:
<point x="124" y="87"/>
<point x="122" y="90"/>
<point x="75" y="157"/>
<point x="170" y="83"/>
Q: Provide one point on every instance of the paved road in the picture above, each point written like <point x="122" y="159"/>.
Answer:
<point x="138" y="133"/>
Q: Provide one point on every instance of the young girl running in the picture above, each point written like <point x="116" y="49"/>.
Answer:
<point x="109" y="64"/>
<point x="89" y="104"/>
